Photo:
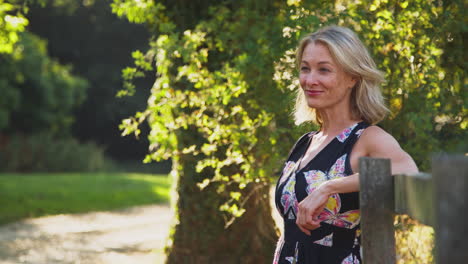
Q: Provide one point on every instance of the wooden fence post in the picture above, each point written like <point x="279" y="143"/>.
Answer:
<point x="377" y="206"/>
<point x="450" y="175"/>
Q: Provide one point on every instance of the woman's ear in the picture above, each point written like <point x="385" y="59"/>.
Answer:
<point x="352" y="82"/>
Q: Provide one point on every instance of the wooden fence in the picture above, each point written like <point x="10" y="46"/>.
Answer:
<point x="439" y="200"/>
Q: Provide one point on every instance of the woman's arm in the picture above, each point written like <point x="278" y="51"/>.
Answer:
<point x="374" y="142"/>
<point x="377" y="143"/>
<point x="310" y="208"/>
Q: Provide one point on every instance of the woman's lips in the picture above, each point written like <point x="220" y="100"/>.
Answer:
<point x="313" y="92"/>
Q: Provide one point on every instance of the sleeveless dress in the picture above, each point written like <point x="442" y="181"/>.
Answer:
<point x="336" y="241"/>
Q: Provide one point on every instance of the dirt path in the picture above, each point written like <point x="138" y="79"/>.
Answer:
<point x="134" y="235"/>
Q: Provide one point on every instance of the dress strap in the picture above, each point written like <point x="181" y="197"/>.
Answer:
<point x="301" y="140"/>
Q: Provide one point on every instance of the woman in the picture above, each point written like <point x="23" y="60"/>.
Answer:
<point x="317" y="193"/>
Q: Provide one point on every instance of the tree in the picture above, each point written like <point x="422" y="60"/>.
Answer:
<point x="38" y="93"/>
<point x="220" y="104"/>
<point x="209" y="111"/>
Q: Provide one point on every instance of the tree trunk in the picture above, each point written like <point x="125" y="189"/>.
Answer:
<point x="200" y="236"/>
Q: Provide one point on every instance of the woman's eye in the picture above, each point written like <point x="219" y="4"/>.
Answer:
<point x="324" y="69"/>
<point x="304" y="68"/>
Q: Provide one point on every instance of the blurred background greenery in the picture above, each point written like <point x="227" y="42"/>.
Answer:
<point x="60" y="71"/>
<point x="212" y="84"/>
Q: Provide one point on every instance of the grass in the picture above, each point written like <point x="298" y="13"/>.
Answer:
<point x="37" y="194"/>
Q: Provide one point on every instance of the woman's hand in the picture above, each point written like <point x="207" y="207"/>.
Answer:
<point x="310" y="208"/>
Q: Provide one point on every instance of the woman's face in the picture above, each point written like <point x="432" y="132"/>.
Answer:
<point x="325" y="84"/>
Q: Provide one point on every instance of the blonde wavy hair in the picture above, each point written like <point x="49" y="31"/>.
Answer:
<point x="367" y="102"/>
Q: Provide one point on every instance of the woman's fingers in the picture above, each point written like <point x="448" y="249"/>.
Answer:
<point x="301" y="223"/>
<point x="304" y="220"/>
<point x="309" y="210"/>
<point x="307" y="232"/>
<point x="304" y="227"/>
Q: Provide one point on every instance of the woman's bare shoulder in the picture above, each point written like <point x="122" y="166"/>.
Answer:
<point x="376" y="140"/>
<point x="377" y="143"/>
<point x="373" y="129"/>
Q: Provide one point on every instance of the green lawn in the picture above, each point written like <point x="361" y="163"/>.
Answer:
<point x="32" y="195"/>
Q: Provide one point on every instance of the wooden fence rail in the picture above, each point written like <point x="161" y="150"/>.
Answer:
<point x="439" y="200"/>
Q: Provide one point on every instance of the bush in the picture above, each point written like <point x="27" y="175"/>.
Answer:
<point x="45" y="153"/>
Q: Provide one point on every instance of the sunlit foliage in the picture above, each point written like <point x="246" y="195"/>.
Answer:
<point x="12" y="22"/>
<point x="216" y="80"/>
<point x="230" y="78"/>
<point x="205" y="80"/>
<point x="38" y="93"/>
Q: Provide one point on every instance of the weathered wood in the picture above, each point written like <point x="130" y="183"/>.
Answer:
<point x="377" y="205"/>
<point x="451" y="195"/>
<point x="414" y="197"/>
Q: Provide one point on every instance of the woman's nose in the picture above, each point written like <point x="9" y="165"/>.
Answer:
<point x="311" y="79"/>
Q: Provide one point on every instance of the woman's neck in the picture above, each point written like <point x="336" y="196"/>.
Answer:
<point x="334" y="122"/>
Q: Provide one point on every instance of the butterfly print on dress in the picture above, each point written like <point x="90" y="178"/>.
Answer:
<point x="331" y="213"/>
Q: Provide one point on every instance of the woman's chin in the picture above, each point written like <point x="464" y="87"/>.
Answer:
<point x="314" y="105"/>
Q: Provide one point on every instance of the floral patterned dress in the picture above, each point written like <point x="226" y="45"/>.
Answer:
<point x="336" y="241"/>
